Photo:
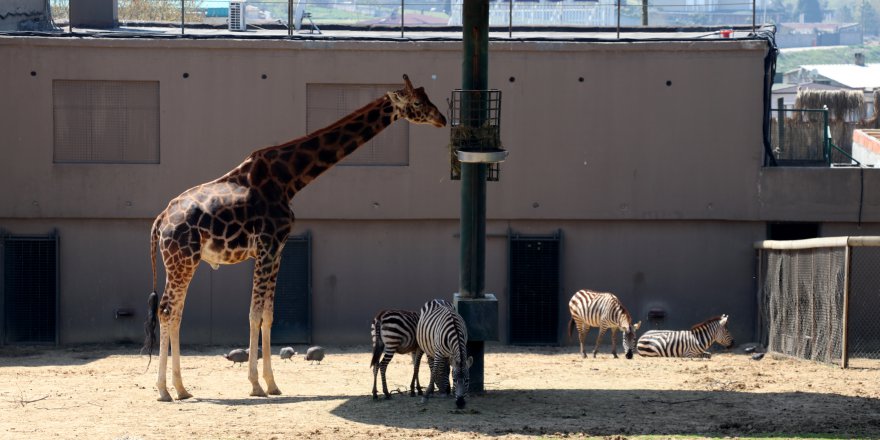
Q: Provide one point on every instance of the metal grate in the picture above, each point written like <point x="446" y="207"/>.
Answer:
<point x="818" y="299"/>
<point x="864" y="302"/>
<point x="106" y="121"/>
<point x="293" y="309"/>
<point x="30" y="286"/>
<point x="534" y="289"/>
<point x="328" y="103"/>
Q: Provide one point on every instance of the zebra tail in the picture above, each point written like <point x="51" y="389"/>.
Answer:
<point x="570" y="326"/>
<point x="378" y="346"/>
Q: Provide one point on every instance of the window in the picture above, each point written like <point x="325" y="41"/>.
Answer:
<point x="106" y="121"/>
<point x="328" y="103"/>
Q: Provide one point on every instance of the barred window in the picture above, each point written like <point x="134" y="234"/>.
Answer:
<point x="106" y="121"/>
<point x="328" y="103"/>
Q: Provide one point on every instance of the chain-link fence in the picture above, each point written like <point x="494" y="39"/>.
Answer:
<point x="817" y="299"/>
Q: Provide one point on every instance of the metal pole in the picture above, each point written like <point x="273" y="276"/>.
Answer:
<point x="753" y="16"/>
<point x="780" y="124"/>
<point x="290" y="18"/>
<point x="474" y="76"/>
<point x="847" y="280"/>
<point x="402" y="13"/>
<point x="644" y="12"/>
<point x="182" y="17"/>
<point x="618" y="19"/>
<point x="510" y="19"/>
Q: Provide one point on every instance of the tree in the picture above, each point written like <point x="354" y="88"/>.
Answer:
<point x="868" y="17"/>
<point x="845" y="14"/>
<point x="811" y="10"/>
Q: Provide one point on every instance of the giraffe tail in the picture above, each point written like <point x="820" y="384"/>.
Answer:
<point x="152" y="299"/>
<point x="150" y="325"/>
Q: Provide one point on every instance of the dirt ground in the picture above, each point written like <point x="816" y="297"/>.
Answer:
<point x="108" y="393"/>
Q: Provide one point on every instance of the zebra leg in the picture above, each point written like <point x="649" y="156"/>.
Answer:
<point x="414" y="383"/>
<point x="614" y="342"/>
<point x="598" y="340"/>
<point x="582" y="335"/>
<point x="430" y="390"/>
<point x="383" y="365"/>
<point x="375" y="373"/>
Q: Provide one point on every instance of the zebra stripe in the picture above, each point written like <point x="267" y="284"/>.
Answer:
<point x="394" y="331"/>
<point x="599" y="309"/>
<point x="442" y="335"/>
<point x="686" y="343"/>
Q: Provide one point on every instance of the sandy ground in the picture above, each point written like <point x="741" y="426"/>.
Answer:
<point x="108" y="393"/>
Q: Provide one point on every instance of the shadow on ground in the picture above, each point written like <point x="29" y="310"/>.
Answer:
<point x="628" y="412"/>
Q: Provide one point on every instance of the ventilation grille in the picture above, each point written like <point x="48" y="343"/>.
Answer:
<point x="30" y="289"/>
<point x="106" y="121"/>
<point x="328" y="103"/>
<point x="293" y="309"/>
<point x="236" y="16"/>
<point x="534" y="289"/>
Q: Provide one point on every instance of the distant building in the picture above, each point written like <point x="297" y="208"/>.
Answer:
<point x="819" y="34"/>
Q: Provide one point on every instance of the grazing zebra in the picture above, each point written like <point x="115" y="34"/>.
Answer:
<point x="442" y="335"/>
<point x="603" y="310"/>
<point x="394" y="331"/>
<point x="686" y="343"/>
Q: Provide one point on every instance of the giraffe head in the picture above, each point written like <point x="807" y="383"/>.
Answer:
<point x="413" y="105"/>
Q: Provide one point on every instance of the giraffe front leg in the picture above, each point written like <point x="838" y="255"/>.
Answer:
<point x="253" y="376"/>
<point x="161" y="382"/>
<point x="268" y="376"/>
<point x="176" y="378"/>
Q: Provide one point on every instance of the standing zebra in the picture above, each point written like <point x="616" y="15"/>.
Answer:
<point x="394" y="331"/>
<point x="686" y="343"/>
<point x="603" y="310"/>
<point x="442" y="335"/>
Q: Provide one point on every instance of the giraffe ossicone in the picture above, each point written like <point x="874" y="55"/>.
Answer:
<point x="246" y="214"/>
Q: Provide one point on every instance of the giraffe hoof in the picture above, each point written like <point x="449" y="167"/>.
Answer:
<point x="258" y="393"/>
<point x="275" y="392"/>
<point x="164" y="398"/>
<point x="184" y="395"/>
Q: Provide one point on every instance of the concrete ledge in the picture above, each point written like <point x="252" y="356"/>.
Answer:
<point x="480" y="315"/>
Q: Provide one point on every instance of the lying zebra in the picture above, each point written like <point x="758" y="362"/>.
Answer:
<point x="686" y="343"/>
<point x="394" y="331"/>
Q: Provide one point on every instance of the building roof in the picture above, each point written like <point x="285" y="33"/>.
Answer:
<point x="849" y="75"/>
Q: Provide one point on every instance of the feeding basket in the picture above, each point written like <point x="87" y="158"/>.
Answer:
<point x="475" y="136"/>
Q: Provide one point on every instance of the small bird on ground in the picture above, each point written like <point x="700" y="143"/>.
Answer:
<point x="287" y="353"/>
<point x="259" y="352"/>
<point x="239" y="355"/>
<point x="315" y="354"/>
<point x="758" y="356"/>
<point x="749" y="349"/>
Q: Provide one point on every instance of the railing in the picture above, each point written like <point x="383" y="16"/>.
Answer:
<point x="806" y="137"/>
<point x="279" y="15"/>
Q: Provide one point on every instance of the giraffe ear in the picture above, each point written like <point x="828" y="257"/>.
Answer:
<point x="407" y="84"/>
<point x="395" y="97"/>
<point x="637" y="325"/>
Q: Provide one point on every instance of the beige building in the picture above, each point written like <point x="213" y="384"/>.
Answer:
<point x="635" y="167"/>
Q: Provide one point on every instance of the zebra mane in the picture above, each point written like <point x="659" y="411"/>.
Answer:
<point x="462" y="346"/>
<point x="706" y="322"/>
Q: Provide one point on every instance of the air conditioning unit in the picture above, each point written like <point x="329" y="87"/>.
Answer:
<point x="236" y="15"/>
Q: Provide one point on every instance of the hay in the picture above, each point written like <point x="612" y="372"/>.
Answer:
<point x="464" y="137"/>
<point x="843" y="105"/>
<point x="803" y="139"/>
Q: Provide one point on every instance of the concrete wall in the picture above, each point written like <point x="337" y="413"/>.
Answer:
<point x="651" y="166"/>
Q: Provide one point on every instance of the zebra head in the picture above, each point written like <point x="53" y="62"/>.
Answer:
<point x="461" y="376"/>
<point x="629" y="338"/>
<point x="722" y="334"/>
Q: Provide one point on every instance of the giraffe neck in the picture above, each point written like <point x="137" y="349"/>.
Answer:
<point x="293" y="165"/>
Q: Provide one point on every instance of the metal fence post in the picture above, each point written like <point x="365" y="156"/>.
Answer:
<point x="290" y="18"/>
<point x="847" y="281"/>
<point x="182" y="16"/>
<point x="402" y="13"/>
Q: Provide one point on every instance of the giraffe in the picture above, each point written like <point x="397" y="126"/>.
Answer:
<point x="246" y="214"/>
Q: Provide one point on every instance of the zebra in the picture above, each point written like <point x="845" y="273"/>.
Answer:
<point x="442" y="335"/>
<point x="686" y="343"/>
<point x="599" y="309"/>
<point x="394" y="331"/>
